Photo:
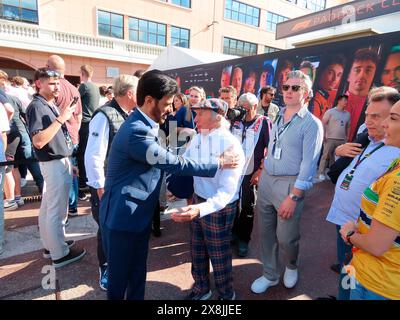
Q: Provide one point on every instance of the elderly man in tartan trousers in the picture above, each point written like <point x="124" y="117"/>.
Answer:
<point x="215" y="200"/>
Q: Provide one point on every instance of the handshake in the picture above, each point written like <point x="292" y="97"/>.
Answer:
<point x="183" y="214"/>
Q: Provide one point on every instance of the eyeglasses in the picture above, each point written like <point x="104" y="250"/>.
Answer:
<point x="295" y="88"/>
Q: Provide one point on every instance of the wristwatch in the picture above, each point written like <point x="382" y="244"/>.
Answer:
<point x="348" y="235"/>
<point x="295" y="197"/>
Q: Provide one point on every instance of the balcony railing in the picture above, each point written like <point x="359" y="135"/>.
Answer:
<point x="32" y="37"/>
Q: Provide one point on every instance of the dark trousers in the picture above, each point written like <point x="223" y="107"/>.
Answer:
<point x="127" y="257"/>
<point x="156" y="217"/>
<point x="83" y="138"/>
<point x="243" y="224"/>
<point x="95" y="204"/>
<point x="344" y="256"/>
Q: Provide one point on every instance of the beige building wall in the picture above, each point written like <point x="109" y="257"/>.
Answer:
<point x="80" y="17"/>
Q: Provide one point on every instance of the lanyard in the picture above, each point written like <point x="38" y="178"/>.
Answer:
<point x="281" y="130"/>
<point x="361" y="158"/>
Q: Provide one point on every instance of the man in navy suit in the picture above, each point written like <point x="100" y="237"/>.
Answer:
<point x="133" y="182"/>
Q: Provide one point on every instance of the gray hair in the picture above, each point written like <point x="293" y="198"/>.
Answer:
<point x="297" y="74"/>
<point x="249" y="98"/>
<point x="123" y="83"/>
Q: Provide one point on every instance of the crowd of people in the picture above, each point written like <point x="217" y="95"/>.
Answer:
<point x="231" y="158"/>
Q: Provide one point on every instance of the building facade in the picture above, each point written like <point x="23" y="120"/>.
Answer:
<point x="122" y="36"/>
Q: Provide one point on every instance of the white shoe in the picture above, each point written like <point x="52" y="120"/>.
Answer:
<point x="290" y="278"/>
<point x="261" y="284"/>
<point x="322" y="177"/>
<point x="23" y="182"/>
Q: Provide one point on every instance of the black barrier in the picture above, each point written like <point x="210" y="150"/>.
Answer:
<point x="335" y="69"/>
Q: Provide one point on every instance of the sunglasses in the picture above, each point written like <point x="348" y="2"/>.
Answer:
<point x="53" y="73"/>
<point x="271" y="94"/>
<point x="295" y="88"/>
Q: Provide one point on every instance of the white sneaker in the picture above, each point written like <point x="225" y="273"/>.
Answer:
<point x="23" y="182"/>
<point x="322" y="177"/>
<point x="290" y="278"/>
<point x="261" y="284"/>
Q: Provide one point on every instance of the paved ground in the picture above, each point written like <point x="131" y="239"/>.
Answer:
<point x="169" y="277"/>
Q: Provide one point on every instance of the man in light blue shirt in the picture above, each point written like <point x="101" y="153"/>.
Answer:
<point x="293" y="152"/>
<point x="365" y="168"/>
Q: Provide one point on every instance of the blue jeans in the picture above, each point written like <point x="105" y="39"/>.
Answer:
<point x="362" y="293"/>
<point x="73" y="191"/>
<point x="343" y="250"/>
<point x="26" y="152"/>
<point x="2" y="172"/>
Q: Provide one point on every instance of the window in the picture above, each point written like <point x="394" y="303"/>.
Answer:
<point x="241" y="12"/>
<point x="110" y="24"/>
<point x="147" y="31"/>
<point x="19" y="10"/>
<point x="314" y="5"/>
<point x="270" y="49"/>
<point x="239" y="48"/>
<point x="182" y="3"/>
<point x="273" y="19"/>
<point x="180" y="37"/>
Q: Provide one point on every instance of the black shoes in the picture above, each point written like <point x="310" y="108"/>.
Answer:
<point x="73" y="256"/>
<point x="82" y="195"/>
<point x="46" y="253"/>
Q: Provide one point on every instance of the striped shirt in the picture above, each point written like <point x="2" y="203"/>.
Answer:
<point x="381" y="202"/>
<point x="301" y="144"/>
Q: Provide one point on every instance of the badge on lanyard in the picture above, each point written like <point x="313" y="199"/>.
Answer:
<point x="277" y="153"/>
<point x="346" y="182"/>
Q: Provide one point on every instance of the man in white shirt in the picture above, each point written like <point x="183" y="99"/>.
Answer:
<point x="215" y="206"/>
<point x="104" y="125"/>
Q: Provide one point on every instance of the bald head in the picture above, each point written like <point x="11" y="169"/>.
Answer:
<point x="56" y="63"/>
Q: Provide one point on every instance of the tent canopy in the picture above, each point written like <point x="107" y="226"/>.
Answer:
<point x="176" y="57"/>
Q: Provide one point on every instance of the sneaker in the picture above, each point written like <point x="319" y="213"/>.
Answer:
<point x="46" y="253"/>
<point x="243" y="249"/>
<point x="290" y="278"/>
<point x="72" y="212"/>
<point x="199" y="296"/>
<point x="23" y="182"/>
<point x="72" y="256"/>
<point x="233" y="297"/>
<point x="82" y="195"/>
<point x="19" y="200"/>
<point x="10" y="205"/>
<point x="103" y="279"/>
<point x="261" y="284"/>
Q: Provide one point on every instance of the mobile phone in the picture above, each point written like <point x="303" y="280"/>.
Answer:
<point x="74" y="101"/>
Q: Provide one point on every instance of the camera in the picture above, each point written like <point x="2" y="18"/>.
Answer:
<point x="236" y="114"/>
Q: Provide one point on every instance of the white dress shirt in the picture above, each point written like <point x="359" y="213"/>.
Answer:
<point x="223" y="188"/>
<point x="96" y="150"/>
<point x="345" y="206"/>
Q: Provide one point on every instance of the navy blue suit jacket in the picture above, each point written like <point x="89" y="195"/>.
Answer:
<point x="134" y="171"/>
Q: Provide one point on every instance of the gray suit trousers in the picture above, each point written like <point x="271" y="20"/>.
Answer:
<point x="278" y="236"/>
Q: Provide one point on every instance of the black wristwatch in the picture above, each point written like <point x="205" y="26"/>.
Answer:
<point x="348" y="235"/>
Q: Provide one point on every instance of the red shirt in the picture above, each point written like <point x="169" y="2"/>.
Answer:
<point x="355" y="106"/>
<point x="67" y="93"/>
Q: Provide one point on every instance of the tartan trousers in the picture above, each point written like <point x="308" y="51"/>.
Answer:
<point x="210" y="240"/>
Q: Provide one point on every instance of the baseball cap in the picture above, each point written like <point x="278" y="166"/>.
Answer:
<point x="217" y="105"/>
